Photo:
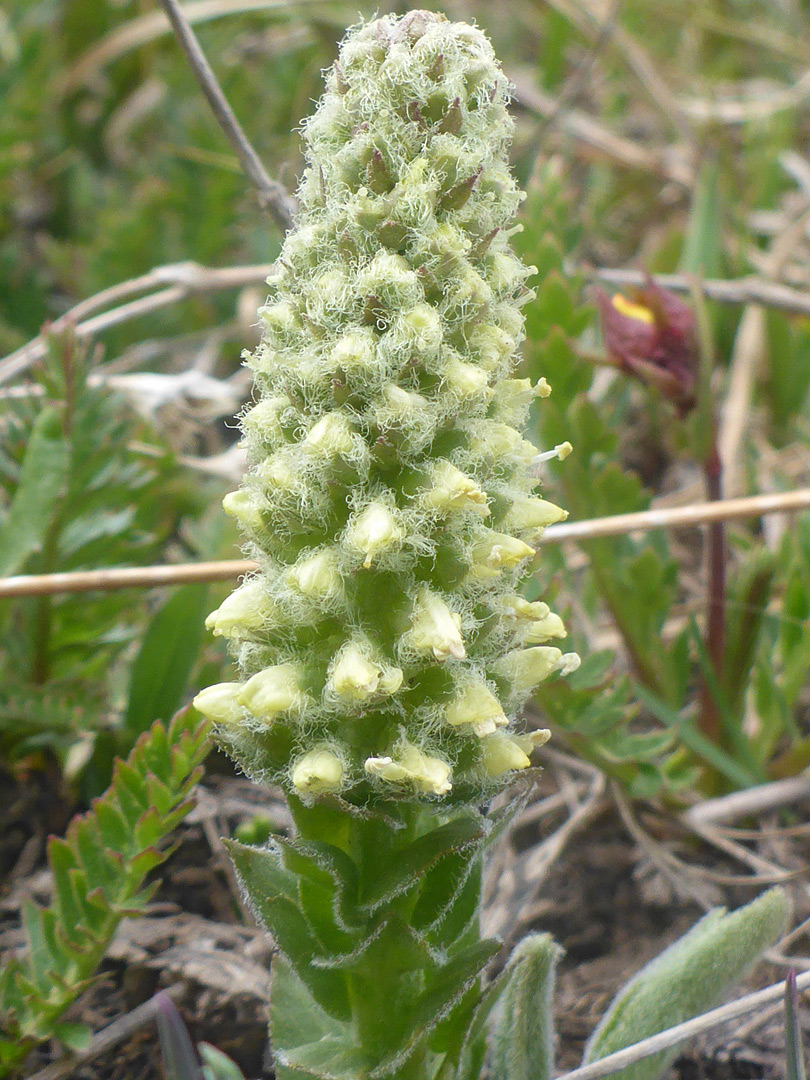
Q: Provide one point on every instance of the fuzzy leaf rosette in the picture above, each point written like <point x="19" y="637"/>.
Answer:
<point x="383" y="646"/>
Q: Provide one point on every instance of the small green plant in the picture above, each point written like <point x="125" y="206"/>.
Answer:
<point x="384" y="649"/>
<point x="86" y="485"/>
<point x="98" y="871"/>
<point x="765" y="654"/>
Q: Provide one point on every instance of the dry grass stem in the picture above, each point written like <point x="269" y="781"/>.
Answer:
<point x="679" y="516"/>
<point x="153" y="25"/>
<point x="756" y="800"/>
<point x="174" y="282"/>
<point x="746" y="359"/>
<point x="681" y="1032"/>
<point x="747" y="290"/>
<point x="582" y="127"/>
<point x="273" y="196"/>
<point x="146" y="577"/>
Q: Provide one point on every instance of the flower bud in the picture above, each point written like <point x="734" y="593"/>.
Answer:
<point x="423" y="328"/>
<point x="527" y="668"/>
<point x="244" y="612"/>
<point x="477" y="706"/>
<point x="551" y="626"/>
<point x="503" y="753"/>
<point x="246" y="507"/>
<point x="451" y="490"/>
<point x="281" y="317"/>
<point x="318" y="772"/>
<point x="354" y="675"/>
<point x="276" y="473"/>
<point x="466" y="380"/>
<point x="532" y="515"/>
<point x="493" y="346"/>
<point x="499" y="552"/>
<point x="332" y="435"/>
<point x="355" y="353"/>
<point x="410" y="767"/>
<point x="219" y="703"/>
<point x="262" y="419"/>
<point x="316" y="576"/>
<point x="435" y="628"/>
<point x="405" y="409"/>
<point x="271" y="691"/>
<point x="373" y="532"/>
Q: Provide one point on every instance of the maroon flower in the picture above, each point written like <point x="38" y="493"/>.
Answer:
<point x="650" y="334"/>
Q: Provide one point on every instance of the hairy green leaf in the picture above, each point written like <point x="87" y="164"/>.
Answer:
<point x="688" y="978"/>
<point x="523" y="1036"/>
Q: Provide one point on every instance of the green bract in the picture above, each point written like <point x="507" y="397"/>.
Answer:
<point x="390" y="500"/>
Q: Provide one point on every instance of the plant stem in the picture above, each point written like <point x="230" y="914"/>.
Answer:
<point x="709" y="722"/>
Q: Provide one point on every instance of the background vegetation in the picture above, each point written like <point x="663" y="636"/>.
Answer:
<point x="671" y="138"/>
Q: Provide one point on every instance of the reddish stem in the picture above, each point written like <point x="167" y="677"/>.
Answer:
<point x="710" y="724"/>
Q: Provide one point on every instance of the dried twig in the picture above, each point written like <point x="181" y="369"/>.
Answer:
<point x="749" y="348"/>
<point x="153" y="25"/>
<point x="130" y="577"/>
<point x="674" y="517"/>
<point x="681" y="1032"/>
<point x="273" y="197"/>
<point x="755" y="800"/>
<point x="145" y="577"/>
<point x="173" y="282"/>
<point x="586" y="129"/>
<point x="748" y="290"/>
<point x="593" y="24"/>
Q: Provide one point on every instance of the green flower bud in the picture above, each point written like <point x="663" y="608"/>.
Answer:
<point x="317" y="576"/>
<point x="477" y="706"/>
<point x="374" y="532"/>
<point x="243" y="613"/>
<point x="435" y="628"/>
<point x="410" y="767"/>
<point x="219" y="703"/>
<point x="317" y="772"/>
<point x="271" y="691"/>
<point x="245" y="506"/>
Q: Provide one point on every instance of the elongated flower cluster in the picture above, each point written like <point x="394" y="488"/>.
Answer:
<point x="390" y="500"/>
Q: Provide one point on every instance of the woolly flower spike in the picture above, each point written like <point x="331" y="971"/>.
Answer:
<point x="392" y="502"/>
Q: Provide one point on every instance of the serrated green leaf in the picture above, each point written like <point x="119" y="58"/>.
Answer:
<point x="688" y="978"/>
<point x="40" y="486"/>
<point x="95" y="885"/>
<point x="273" y="891"/>
<point x="451" y="983"/>
<point x="330" y="1058"/>
<point x="413" y="862"/>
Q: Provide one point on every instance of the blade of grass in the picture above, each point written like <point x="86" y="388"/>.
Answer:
<point x="713" y="755"/>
